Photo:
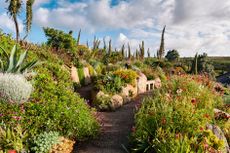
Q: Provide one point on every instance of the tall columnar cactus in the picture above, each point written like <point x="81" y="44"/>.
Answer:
<point x="161" y="51"/>
<point x="194" y="68"/>
<point x="79" y="37"/>
<point x="123" y="50"/>
<point x="129" y="51"/>
<point x="96" y="43"/>
<point x="137" y="54"/>
<point x="142" y="49"/>
<point x="14" y="88"/>
<point x="110" y="47"/>
<point x="105" y="46"/>
<point x="148" y="52"/>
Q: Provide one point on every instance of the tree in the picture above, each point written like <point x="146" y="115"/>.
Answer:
<point x="60" y="40"/>
<point x="172" y="55"/>
<point x="14" y="9"/>
<point x="161" y="51"/>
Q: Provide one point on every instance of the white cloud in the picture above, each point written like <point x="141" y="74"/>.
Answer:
<point x="6" y="22"/>
<point x="192" y="26"/>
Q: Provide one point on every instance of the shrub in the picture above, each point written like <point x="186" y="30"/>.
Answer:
<point x="44" y="142"/>
<point x="127" y="75"/>
<point x="14" y="88"/>
<point x="175" y="117"/>
<point x="102" y="102"/>
<point x="108" y="83"/>
<point x="81" y="75"/>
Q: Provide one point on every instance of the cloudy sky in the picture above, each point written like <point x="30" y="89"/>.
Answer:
<point x="192" y="25"/>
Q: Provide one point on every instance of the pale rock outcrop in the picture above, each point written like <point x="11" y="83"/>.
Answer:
<point x="87" y="75"/>
<point x="220" y="135"/>
<point x="74" y="75"/>
<point x="128" y="92"/>
<point x="157" y="83"/>
<point x="141" y="83"/>
<point x="116" y="102"/>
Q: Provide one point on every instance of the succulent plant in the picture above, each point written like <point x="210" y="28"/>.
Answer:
<point x="44" y="142"/>
<point x="14" y="88"/>
<point x="14" y="64"/>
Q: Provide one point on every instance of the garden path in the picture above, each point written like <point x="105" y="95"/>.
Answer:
<point x="115" y="130"/>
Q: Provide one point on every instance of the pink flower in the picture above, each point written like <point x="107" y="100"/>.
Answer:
<point x="16" y="117"/>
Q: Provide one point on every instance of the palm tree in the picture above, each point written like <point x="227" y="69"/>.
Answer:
<point x="14" y="10"/>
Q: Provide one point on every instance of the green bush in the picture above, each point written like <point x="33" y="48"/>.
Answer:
<point x="127" y="75"/>
<point x="108" y="83"/>
<point x="81" y="75"/>
<point x="175" y="117"/>
<point x="102" y="103"/>
<point x="44" y="142"/>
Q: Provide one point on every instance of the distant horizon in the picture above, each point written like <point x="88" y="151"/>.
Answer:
<point x="192" y="26"/>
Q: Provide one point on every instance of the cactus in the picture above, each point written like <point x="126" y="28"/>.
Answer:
<point x="142" y="49"/>
<point x="194" y="68"/>
<point x="123" y="51"/>
<point x="161" y="51"/>
<point x="14" y="88"/>
<point x="148" y="52"/>
<point x="110" y="47"/>
<point x="96" y="43"/>
<point x="129" y="51"/>
<point x="104" y="42"/>
<point x="79" y="37"/>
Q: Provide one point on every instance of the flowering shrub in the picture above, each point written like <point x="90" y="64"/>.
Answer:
<point x="175" y="119"/>
<point x="127" y="75"/>
<point x="14" y="88"/>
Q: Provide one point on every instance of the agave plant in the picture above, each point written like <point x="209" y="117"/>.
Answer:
<point x="14" y="64"/>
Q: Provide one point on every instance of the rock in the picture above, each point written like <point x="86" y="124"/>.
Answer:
<point x="74" y="75"/>
<point x="129" y="91"/>
<point x="116" y="102"/>
<point x="141" y="83"/>
<point x="101" y="94"/>
<point x="87" y="75"/>
<point x="219" y="114"/>
<point x="220" y="135"/>
<point x="157" y="84"/>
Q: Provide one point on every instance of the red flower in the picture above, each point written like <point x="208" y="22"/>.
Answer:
<point x="201" y="128"/>
<point x="194" y="101"/>
<point x="206" y="116"/>
<point x="16" y="117"/>
<point x="133" y="129"/>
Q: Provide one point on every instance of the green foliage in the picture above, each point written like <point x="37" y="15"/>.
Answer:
<point x="83" y="52"/>
<point x="174" y="118"/>
<point x="108" y="83"/>
<point x="14" y="88"/>
<point x="81" y="75"/>
<point x="44" y="142"/>
<point x="12" y="138"/>
<point x="142" y="50"/>
<point x="14" y="65"/>
<point x="60" y="40"/>
<point x="127" y="75"/>
<point x="102" y="103"/>
<point x="172" y="55"/>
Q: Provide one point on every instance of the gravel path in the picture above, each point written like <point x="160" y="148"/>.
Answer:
<point x="115" y="130"/>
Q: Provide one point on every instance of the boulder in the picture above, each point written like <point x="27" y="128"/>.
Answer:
<point x="87" y="75"/>
<point x="116" y="102"/>
<point x="128" y="92"/>
<point x="219" y="114"/>
<point x="74" y="75"/>
<point x="220" y="135"/>
<point x="157" y="84"/>
<point x="141" y="83"/>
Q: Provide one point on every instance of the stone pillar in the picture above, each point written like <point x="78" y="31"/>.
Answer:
<point x="74" y="75"/>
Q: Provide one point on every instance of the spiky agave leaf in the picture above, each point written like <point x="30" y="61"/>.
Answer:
<point x="12" y="59"/>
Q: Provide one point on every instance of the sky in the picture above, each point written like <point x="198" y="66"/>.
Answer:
<point x="191" y="25"/>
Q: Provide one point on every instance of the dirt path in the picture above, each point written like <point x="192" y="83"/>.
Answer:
<point x="116" y="128"/>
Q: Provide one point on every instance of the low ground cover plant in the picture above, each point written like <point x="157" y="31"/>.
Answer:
<point x="174" y="119"/>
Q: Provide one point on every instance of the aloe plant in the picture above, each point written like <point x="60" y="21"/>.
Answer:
<point x="14" y="64"/>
